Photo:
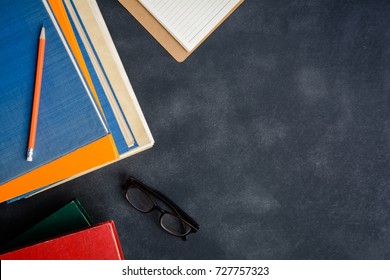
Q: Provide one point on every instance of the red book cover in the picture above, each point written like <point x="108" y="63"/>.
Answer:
<point x="99" y="242"/>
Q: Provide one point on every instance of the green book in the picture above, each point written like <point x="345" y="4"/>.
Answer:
<point x="70" y="217"/>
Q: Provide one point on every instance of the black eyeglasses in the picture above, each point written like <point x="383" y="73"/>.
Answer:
<point x="175" y="221"/>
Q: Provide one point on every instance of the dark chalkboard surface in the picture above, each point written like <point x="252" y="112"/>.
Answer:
<point x="274" y="135"/>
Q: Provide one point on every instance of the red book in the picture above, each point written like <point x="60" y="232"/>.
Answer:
<point x="99" y="242"/>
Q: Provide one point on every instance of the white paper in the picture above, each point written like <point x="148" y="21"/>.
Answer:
<point x="189" y="21"/>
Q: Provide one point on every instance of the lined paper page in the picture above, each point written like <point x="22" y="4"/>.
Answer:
<point x="189" y="21"/>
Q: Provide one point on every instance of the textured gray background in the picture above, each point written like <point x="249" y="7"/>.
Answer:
<point x="274" y="135"/>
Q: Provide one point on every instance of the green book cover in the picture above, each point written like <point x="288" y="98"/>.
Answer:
<point x="69" y="218"/>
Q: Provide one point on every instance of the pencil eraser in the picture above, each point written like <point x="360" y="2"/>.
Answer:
<point x="30" y="152"/>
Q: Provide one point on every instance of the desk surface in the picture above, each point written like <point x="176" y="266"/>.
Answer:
<point x="274" y="135"/>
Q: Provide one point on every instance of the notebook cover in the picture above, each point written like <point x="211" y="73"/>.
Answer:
<point x="68" y="218"/>
<point x="99" y="242"/>
<point x="68" y="117"/>
<point x="148" y="21"/>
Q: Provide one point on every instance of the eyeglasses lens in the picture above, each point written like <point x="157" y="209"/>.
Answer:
<point x="174" y="225"/>
<point x="139" y="200"/>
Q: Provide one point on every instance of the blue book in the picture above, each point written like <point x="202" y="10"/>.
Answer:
<point x="68" y="116"/>
<point x="112" y="122"/>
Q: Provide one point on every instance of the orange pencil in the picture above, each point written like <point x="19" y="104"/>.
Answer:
<point x="37" y="95"/>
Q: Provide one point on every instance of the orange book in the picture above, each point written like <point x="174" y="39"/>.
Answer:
<point x="95" y="154"/>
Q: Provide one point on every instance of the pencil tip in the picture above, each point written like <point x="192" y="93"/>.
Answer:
<point x="42" y="36"/>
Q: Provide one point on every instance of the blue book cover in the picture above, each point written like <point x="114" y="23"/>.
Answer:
<point x="68" y="116"/>
<point x="115" y="130"/>
<point x="120" y="142"/>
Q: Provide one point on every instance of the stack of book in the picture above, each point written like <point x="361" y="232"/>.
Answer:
<point x="88" y="115"/>
<point x="66" y="234"/>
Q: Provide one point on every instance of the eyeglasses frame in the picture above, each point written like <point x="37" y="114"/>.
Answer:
<point x="178" y="212"/>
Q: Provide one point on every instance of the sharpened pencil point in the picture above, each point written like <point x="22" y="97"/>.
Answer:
<point x="43" y="35"/>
